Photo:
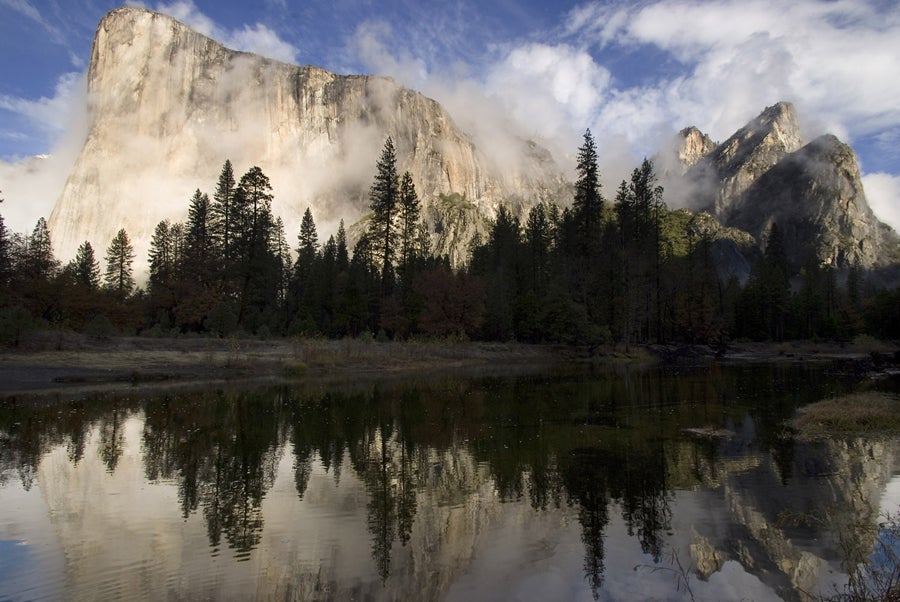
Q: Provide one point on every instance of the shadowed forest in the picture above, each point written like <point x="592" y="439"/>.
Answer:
<point x="624" y="270"/>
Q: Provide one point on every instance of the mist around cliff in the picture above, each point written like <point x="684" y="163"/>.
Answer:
<point x="31" y="185"/>
<point x="551" y="87"/>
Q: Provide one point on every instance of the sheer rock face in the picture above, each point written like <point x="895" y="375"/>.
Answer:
<point x="728" y="171"/>
<point x="816" y="197"/>
<point x="693" y="146"/>
<point x="168" y="106"/>
<point x="763" y="175"/>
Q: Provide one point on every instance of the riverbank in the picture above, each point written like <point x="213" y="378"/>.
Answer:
<point x="869" y="413"/>
<point x="51" y="363"/>
<point x="77" y="363"/>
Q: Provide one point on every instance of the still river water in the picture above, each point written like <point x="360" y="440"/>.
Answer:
<point x="565" y="486"/>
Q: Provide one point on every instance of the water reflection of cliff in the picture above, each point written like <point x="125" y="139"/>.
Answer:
<point x="423" y="472"/>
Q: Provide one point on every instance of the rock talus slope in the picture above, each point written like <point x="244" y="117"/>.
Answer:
<point x="169" y="105"/>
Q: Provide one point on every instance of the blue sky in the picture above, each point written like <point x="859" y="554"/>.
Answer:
<point x="634" y="72"/>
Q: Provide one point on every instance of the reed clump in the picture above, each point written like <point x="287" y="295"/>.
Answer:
<point x="868" y="412"/>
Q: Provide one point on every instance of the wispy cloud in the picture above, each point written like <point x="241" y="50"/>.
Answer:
<point x="50" y="115"/>
<point x="883" y="194"/>
<point x="31" y="184"/>
<point x="838" y="61"/>
<point x="27" y="9"/>
<point x="550" y="87"/>
<point x="257" y="38"/>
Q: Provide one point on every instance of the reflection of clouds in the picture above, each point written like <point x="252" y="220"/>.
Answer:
<point x="890" y="499"/>
<point x="476" y="533"/>
<point x="477" y="545"/>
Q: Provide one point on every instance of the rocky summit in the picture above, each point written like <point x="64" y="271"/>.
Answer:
<point x="764" y="174"/>
<point x="168" y="106"/>
<point x="723" y="175"/>
<point x="816" y="197"/>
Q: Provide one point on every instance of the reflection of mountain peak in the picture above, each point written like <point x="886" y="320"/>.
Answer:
<point x="435" y="490"/>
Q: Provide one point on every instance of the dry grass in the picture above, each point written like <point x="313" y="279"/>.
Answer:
<point x="88" y="361"/>
<point x="871" y="412"/>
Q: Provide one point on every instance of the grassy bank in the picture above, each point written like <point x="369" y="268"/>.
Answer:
<point x="84" y="362"/>
<point x="869" y="413"/>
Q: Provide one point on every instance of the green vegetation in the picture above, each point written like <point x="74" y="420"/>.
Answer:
<point x="627" y="271"/>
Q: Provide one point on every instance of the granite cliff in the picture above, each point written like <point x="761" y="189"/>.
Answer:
<point x="764" y="174"/>
<point x="169" y="105"/>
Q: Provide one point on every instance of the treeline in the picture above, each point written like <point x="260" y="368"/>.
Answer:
<point x="626" y="271"/>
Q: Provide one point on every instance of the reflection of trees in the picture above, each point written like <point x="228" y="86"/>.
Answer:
<point x="384" y="458"/>
<point x="27" y="433"/>
<point x="645" y="500"/>
<point x="586" y="476"/>
<point x="379" y="432"/>
<point x="223" y="451"/>
<point x="589" y="441"/>
<point x="112" y="439"/>
<point x="321" y="427"/>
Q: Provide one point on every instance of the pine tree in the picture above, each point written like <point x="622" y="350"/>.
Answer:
<point x="588" y="202"/>
<point x="303" y="284"/>
<point x="775" y="282"/>
<point x="254" y="201"/>
<point x="498" y="262"/>
<point x="648" y="202"/>
<point x="162" y="258"/>
<point x="86" y="268"/>
<point x="40" y="262"/>
<point x="384" y="197"/>
<point x="409" y="212"/>
<point x="538" y="237"/>
<point x="199" y="243"/>
<point x="308" y="238"/>
<point x="764" y="302"/>
<point x="257" y="262"/>
<point x="343" y="255"/>
<point x="283" y="259"/>
<point x="223" y="213"/>
<point x="6" y="264"/>
<point x="178" y="235"/>
<point x="119" y="259"/>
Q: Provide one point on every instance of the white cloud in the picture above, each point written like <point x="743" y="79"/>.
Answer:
<point x="31" y="185"/>
<point x="883" y="194"/>
<point x="188" y="13"/>
<point x="49" y="115"/>
<point x="370" y="45"/>
<point x="838" y="61"/>
<point x="257" y="38"/>
<point x="27" y="9"/>
<point x="550" y="88"/>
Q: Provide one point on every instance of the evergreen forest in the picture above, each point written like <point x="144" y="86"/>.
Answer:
<point x="621" y="270"/>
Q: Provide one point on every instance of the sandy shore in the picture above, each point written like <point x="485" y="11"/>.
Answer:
<point x="76" y="364"/>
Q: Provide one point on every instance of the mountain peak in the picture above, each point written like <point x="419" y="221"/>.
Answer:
<point x="816" y="197"/>
<point x="781" y="110"/>
<point x="693" y="146"/>
<point x="169" y="106"/>
<point x="725" y="174"/>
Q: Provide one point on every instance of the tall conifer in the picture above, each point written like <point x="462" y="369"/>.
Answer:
<point x="384" y="196"/>
<point x="119" y="259"/>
